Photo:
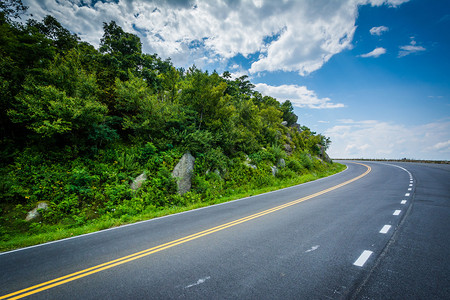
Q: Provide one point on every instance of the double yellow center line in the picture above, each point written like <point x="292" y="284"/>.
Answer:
<point x="86" y="272"/>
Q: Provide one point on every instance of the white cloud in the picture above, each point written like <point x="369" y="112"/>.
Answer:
<point x="442" y="146"/>
<point x="376" y="139"/>
<point x="391" y="3"/>
<point x="411" y="48"/>
<point x="300" y="96"/>
<point x="378" y="30"/>
<point x="295" y="36"/>
<point x="375" y="52"/>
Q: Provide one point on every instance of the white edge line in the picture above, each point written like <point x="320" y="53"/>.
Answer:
<point x="410" y="175"/>
<point x="159" y="218"/>
<point x="363" y="258"/>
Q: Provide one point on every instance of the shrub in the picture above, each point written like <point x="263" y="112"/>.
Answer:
<point x="262" y="155"/>
<point x="80" y="181"/>
<point x="295" y="165"/>
<point x="306" y="160"/>
<point x="146" y="152"/>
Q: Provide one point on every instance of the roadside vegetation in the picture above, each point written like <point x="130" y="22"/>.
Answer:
<point x="79" y="124"/>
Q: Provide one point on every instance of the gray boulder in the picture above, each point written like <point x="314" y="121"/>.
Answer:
<point x="137" y="183"/>
<point x="183" y="172"/>
<point x="288" y="149"/>
<point x="34" y="215"/>
<point x="274" y="170"/>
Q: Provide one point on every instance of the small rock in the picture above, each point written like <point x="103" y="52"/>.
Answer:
<point x="274" y="170"/>
<point x="137" y="183"/>
<point x="284" y="123"/>
<point x="34" y="214"/>
<point x="281" y="163"/>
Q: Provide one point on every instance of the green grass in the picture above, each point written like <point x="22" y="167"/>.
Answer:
<point x="49" y="233"/>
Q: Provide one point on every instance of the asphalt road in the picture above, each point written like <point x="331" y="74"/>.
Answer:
<point x="382" y="235"/>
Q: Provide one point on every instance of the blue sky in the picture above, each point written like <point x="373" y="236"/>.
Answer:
<point x="373" y="75"/>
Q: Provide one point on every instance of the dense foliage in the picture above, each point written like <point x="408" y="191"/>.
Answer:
<point x="78" y="124"/>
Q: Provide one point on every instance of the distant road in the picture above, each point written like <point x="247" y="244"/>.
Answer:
<point x="374" y="231"/>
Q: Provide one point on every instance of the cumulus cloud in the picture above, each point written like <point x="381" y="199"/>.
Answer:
<point x="378" y="30"/>
<point x="411" y="48"/>
<point x="295" y="36"/>
<point x="376" y="139"/>
<point x="375" y="52"/>
<point x="300" y="96"/>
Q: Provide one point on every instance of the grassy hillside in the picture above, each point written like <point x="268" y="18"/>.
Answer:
<point x="78" y="124"/>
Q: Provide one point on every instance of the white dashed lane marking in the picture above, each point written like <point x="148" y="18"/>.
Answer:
<point x="385" y="229"/>
<point x="363" y="258"/>
<point x="200" y="281"/>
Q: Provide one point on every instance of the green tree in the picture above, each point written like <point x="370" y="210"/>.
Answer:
<point x="23" y="50"/>
<point x="61" y="38"/>
<point x="63" y="105"/>
<point x="122" y="50"/>
<point x="143" y="114"/>
<point x="11" y="9"/>
<point x="288" y="113"/>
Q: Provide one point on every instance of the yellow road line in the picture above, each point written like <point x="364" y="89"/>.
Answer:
<point x="89" y="271"/>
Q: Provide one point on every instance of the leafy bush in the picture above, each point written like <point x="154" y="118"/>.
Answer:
<point x="306" y="160"/>
<point x="146" y="152"/>
<point x="210" y="161"/>
<point x="80" y="181"/>
<point x="295" y="165"/>
<point x="262" y="155"/>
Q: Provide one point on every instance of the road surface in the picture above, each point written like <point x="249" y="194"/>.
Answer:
<point x="373" y="231"/>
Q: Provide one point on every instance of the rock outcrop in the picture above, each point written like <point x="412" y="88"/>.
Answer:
<point x="183" y="172"/>
<point x="297" y="127"/>
<point x="323" y="155"/>
<point x="34" y="215"/>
